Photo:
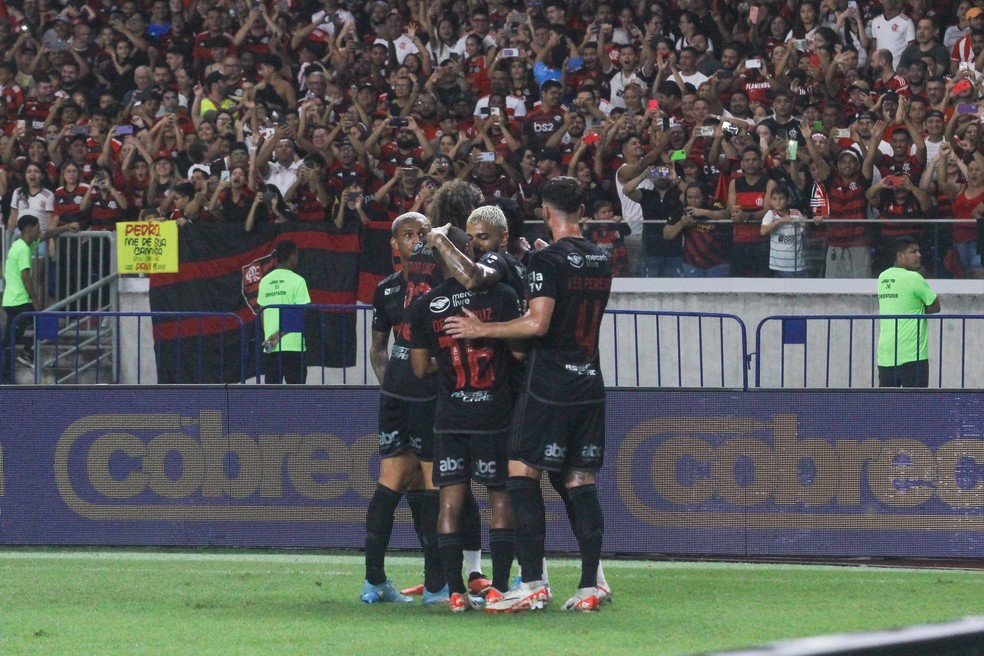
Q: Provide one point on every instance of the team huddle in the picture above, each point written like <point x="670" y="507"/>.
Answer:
<point x="493" y="376"/>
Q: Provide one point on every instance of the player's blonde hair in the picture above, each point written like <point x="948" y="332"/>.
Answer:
<point x="490" y="214"/>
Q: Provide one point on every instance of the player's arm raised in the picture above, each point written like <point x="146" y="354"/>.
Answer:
<point x="473" y="275"/>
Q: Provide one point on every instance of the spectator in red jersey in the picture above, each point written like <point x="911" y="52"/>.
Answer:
<point x="308" y="193"/>
<point x="102" y="203"/>
<point x="902" y="206"/>
<point x="608" y="231"/>
<point x="748" y="196"/>
<point x="848" y="242"/>
<point x="706" y="235"/>
<point x="232" y="198"/>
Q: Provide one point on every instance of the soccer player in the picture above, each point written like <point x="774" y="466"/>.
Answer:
<point x="472" y="419"/>
<point x="559" y="421"/>
<point x="488" y="227"/>
<point x="406" y="423"/>
<point x="452" y="204"/>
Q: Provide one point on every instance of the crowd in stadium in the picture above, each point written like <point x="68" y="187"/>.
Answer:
<point x="680" y="118"/>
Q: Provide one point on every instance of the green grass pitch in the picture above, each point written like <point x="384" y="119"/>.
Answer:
<point x="95" y="602"/>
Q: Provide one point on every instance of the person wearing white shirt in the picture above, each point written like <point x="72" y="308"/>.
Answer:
<point x="281" y="171"/>
<point x="893" y="30"/>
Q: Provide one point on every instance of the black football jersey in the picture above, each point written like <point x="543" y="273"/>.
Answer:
<point x="475" y="394"/>
<point x="563" y="365"/>
<point x="512" y="271"/>
<point x="387" y="314"/>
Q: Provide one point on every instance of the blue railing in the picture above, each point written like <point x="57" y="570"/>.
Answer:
<point x="639" y="348"/>
<point x="106" y="347"/>
<point x="838" y="351"/>
<point x="647" y="349"/>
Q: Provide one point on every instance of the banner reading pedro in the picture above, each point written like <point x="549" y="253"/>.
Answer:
<point x="147" y="247"/>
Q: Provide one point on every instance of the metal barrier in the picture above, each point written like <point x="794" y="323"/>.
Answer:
<point x="673" y="349"/>
<point x="638" y="349"/>
<point x="83" y="347"/>
<point x="334" y="334"/>
<point x="841" y="351"/>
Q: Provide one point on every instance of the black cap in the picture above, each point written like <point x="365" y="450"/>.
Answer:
<point x="213" y="77"/>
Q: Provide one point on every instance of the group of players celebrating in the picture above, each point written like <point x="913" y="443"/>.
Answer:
<point x="493" y="376"/>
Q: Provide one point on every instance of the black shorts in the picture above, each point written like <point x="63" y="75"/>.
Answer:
<point x="910" y="374"/>
<point x="483" y="458"/>
<point x="406" y="425"/>
<point x="553" y="437"/>
<point x="750" y="260"/>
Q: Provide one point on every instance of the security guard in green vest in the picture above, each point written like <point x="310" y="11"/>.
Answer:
<point x="283" y="352"/>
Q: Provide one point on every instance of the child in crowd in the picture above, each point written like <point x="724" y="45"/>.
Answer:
<point x="609" y="231"/>
<point x="785" y="225"/>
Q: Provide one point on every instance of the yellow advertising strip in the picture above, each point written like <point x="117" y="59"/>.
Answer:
<point x="147" y="247"/>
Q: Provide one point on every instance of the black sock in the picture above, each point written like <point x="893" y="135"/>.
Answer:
<point x="502" y="544"/>
<point x="379" y="526"/>
<point x="452" y="557"/>
<point x="434" y="579"/>
<point x="557" y="482"/>
<point x="415" y="499"/>
<point x="589" y="531"/>
<point x="530" y="526"/>
<point x="471" y="524"/>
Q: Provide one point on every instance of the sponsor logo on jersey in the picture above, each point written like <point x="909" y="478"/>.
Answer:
<point x="440" y="304"/>
<point x="451" y="465"/>
<point x="576" y="260"/>
<point x="472" y="397"/>
<point x="486" y="468"/>
<point x="554" y="452"/>
<point x="581" y="369"/>
<point x="592" y="452"/>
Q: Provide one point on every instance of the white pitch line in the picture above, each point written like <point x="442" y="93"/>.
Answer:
<point x="356" y="559"/>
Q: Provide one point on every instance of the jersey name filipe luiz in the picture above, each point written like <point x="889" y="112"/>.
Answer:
<point x="387" y="314"/>
<point x="475" y="395"/>
<point x="564" y="365"/>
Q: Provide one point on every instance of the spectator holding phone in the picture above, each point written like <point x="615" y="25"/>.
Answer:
<point x="608" y="232"/>
<point x="706" y="236"/>
<point x="655" y="191"/>
<point x="902" y="206"/>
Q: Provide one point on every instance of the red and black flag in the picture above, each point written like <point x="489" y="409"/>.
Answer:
<point x="220" y="266"/>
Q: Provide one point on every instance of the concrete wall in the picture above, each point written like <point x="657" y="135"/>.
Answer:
<point x="846" y="352"/>
<point x="638" y="350"/>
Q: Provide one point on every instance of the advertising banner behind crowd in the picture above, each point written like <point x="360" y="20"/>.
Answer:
<point x="220" y="270"/>
<point x="779" y="473"/>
